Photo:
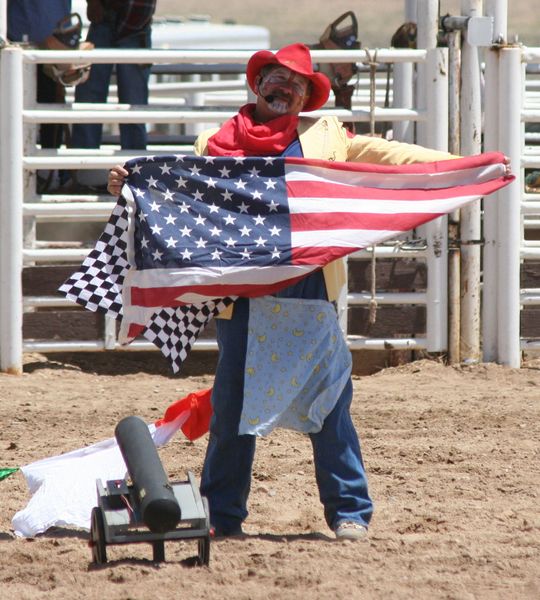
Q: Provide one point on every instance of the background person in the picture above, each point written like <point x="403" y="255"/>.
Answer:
<point x="123" y="24"/>
<point x="32" y="22"/>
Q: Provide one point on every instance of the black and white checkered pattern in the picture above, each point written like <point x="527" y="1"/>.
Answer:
<point x="174" y="330"/>
<point x="97" y="286"/>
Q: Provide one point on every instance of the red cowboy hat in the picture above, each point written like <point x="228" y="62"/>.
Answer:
<point x="297" y="58"/>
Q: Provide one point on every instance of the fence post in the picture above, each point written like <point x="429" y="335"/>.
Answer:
<point x="490" y="309"/>
<point x="343" y="302"/>
<point x="403" y="97"/>
<point x="432" y="96"/>
<point x="509" y="231"/>
<point x="410" y="10"/>
<point x="11" y="222"/>
<point x="196" y="99"/>
<point x="30" y="134"/>
<point x="436" y="136"/>
<point x="403" y="86"/>
<point x="470" y="227"/>
<point x="497" y="10"/>
<point x="3" y="19"/>
<point x="454" y="257"/>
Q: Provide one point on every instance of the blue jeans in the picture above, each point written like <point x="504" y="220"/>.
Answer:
<point x="226" y="476"/>
<point x="132" y="81"/>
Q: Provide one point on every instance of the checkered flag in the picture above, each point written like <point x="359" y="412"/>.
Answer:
<point x="97" y="286"/>
<point x="174" y="330"/>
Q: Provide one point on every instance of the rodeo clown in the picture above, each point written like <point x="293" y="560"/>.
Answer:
<point x="283" y="360"/>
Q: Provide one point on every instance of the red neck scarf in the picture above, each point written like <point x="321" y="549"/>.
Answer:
<point x="242" y="136"/>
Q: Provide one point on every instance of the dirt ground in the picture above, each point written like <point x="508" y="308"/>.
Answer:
<point x="452" y="455"/>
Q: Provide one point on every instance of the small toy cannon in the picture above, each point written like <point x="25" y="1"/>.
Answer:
<point x="170" y="511"/>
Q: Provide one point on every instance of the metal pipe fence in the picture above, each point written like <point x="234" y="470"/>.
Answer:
<point x="509" y="217"/>
<point x="21" y="207"/>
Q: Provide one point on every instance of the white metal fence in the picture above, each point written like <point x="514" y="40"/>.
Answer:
<point x="21" y="207"/>
<point x="510" y="104"/>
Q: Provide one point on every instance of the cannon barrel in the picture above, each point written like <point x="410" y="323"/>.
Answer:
<point x="154" y="495"/>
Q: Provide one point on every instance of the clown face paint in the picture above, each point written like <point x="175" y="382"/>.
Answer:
<point x="284" y="90"/>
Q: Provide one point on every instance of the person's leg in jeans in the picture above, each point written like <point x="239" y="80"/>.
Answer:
<point x="226" y="476"/>
<point x="132" y="83"/>
<point x="50" y="134"/>
<point x="338" y="461"/>
<point x="339" y="468"/>
<point x="95" y="89"/>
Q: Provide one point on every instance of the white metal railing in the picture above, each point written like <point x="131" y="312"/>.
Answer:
<point x="530" y="203"/>
<point x="509" y="216"/>
<point x="20" y="204"/>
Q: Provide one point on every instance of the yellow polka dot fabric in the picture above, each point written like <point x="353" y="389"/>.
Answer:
<point x="297" y="365"/>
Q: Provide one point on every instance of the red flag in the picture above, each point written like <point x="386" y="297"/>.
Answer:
<point x="200" y="413"/>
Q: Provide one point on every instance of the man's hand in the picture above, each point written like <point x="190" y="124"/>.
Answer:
<point x="115" y="180"/>
<point x="507" y="167"/>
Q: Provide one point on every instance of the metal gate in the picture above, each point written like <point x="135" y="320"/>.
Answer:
<point x="509" y="104"/>
<point x="22" y="208"/>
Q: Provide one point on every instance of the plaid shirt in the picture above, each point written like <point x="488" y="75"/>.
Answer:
<point x="131" y="15"/>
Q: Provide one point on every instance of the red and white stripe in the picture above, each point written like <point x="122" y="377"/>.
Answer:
<point x="335" y="209"/>
<point x="351" y="206"/>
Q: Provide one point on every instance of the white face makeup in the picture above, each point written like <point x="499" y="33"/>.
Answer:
<point x="284" y="90"/>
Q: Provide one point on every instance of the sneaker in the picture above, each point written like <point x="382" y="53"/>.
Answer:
<point x="350" y="530"/>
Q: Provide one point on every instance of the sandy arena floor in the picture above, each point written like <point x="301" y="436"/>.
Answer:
<point x="452" y="455"/>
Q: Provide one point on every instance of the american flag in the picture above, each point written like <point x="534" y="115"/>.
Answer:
<point x="190" y="234"/>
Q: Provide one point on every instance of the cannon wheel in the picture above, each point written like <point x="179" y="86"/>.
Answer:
<point x="204" y="542"/>
<point x="97" y="536"/>
<point x="204" y="551"/>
